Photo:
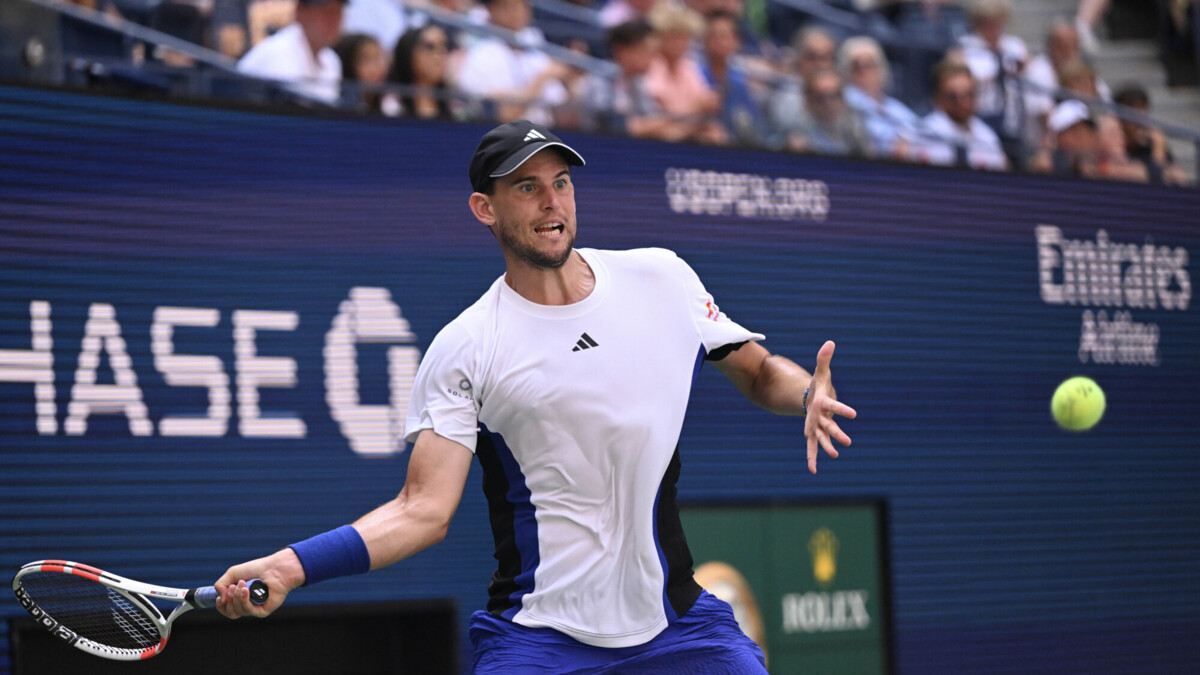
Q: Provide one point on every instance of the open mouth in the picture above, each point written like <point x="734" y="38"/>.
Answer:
<point x="549" y="229"/>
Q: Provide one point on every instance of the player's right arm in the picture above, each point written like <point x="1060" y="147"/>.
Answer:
<point x="420" y="515"/>
<point x="414" y="520"/>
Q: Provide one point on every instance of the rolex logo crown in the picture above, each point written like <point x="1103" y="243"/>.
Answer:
<point x="823" y="547"/>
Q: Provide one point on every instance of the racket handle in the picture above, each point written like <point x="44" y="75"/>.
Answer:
<point x="206" y="597"/>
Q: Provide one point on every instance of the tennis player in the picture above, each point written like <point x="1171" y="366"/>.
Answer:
<point x="568" y="380"/>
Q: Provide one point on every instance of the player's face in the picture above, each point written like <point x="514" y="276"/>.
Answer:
<point x="534" y="211"/>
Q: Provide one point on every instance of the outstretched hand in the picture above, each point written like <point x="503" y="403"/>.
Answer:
<point x="819" y="427"/>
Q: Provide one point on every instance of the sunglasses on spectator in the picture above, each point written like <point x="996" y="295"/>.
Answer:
<point x="863" y="64"/>
<point x="817" y="56"/>
<point x="432" y="46"/>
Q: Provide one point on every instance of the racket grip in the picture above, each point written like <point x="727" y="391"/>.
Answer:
<point x="206" y="597"/>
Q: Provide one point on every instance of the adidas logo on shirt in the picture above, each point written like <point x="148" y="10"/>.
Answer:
<point x="585" y="342"/>
<point x="534" y="135"/>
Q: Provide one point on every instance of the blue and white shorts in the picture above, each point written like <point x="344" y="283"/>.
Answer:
<point x="705" y="641"/>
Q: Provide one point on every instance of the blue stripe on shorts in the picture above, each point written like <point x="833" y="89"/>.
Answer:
<point x="705" y="641"/>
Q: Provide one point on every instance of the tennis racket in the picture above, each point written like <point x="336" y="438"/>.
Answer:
<point x="107" y="615"/>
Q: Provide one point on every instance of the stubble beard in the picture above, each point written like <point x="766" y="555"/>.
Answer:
<point x="531" y="255"/>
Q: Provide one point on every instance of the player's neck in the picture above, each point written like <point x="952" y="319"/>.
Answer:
<point x="566" y="285"/>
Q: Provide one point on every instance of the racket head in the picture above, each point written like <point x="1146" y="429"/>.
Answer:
<point x="96" y="611"/>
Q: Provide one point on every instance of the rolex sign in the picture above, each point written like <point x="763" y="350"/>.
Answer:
<point x="814" y="572"/>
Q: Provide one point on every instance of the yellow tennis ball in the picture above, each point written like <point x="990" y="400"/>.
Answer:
<point x="1078" y="404"/>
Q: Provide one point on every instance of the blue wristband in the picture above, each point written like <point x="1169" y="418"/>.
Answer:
<point x="336" y="553"/>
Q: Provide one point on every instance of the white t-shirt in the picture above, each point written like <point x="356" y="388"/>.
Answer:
<point x="492" y="68"/>
<point x="287" y="57"/>
<point x="987" y="66"/>
<point x="577" y="410"/>
<point x="941" y="138"/>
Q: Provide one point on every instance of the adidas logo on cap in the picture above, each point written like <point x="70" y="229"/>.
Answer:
<point x="534" y="135"/>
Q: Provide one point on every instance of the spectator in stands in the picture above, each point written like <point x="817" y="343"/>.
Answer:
<point x="1082" y="144"/>
<point x="1147" y="144"/>
<point x="524" y="82"/>
<point x="1072" y="146"/>
<point x="890" y="125"/>
<point x="996" y="60"/>
<point x="623" y="104"/>
<point x="1114" y="161"/>
<point x="740" y="111"/>
<point x="300" y="53"/>
<point x="365" y="65"/>
<point x="674" y="78"/>
<point x="620" y="11"/>
<point x="813" y="50"/>
<point x="1062" y="45"/>
<point x="826" y="125"/>
<point x="1077" y="76"/>
<point x="952" y="134"/>
<point x="419" y="65"/>
<point x="752" y="41"/>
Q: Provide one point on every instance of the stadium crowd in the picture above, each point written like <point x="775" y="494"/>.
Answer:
<point x="929" y="81"/>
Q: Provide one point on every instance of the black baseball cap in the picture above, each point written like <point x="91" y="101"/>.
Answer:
<point x="505" y="148"/>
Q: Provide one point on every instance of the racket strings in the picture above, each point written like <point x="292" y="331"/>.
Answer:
<point x="92" y="610"/>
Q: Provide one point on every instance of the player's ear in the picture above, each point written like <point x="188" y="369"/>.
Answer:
<point x="481" y="207"/>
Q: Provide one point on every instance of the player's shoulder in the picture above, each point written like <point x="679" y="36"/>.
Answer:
<point x="471" y="324"/>
<point x="649" y="264"/>
<point x="639" y="258"/>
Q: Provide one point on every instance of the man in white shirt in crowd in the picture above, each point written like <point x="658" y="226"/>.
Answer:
<point x="1045" y="73"/>
<point x="300" y="54"/>
<point x="996" y="59"/>
<point x="952" y="135"/>
<point x="522" y="80"/>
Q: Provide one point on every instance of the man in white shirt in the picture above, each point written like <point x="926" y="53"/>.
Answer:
<point x="1044" y="73"/>
<point x="996" y="60"/>
<point x="569" y="380"/>
<point x="952" y="135"/>
<point x="301" y="53"/>
<point x="522" y="80"/>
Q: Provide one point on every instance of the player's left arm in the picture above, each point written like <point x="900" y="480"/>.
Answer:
<point x="777" y="384"/>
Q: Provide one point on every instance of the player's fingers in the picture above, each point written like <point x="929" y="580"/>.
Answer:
<point x="835" y="432"/>
<point x="227" y="601"/>
<point x="812" y="454"/>
<point x="824" y="356"/>
<point x="828" y="445"/>
<point x="838" y="408"/>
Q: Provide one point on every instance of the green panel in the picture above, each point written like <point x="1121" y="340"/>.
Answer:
<point x="816" y="576"/>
